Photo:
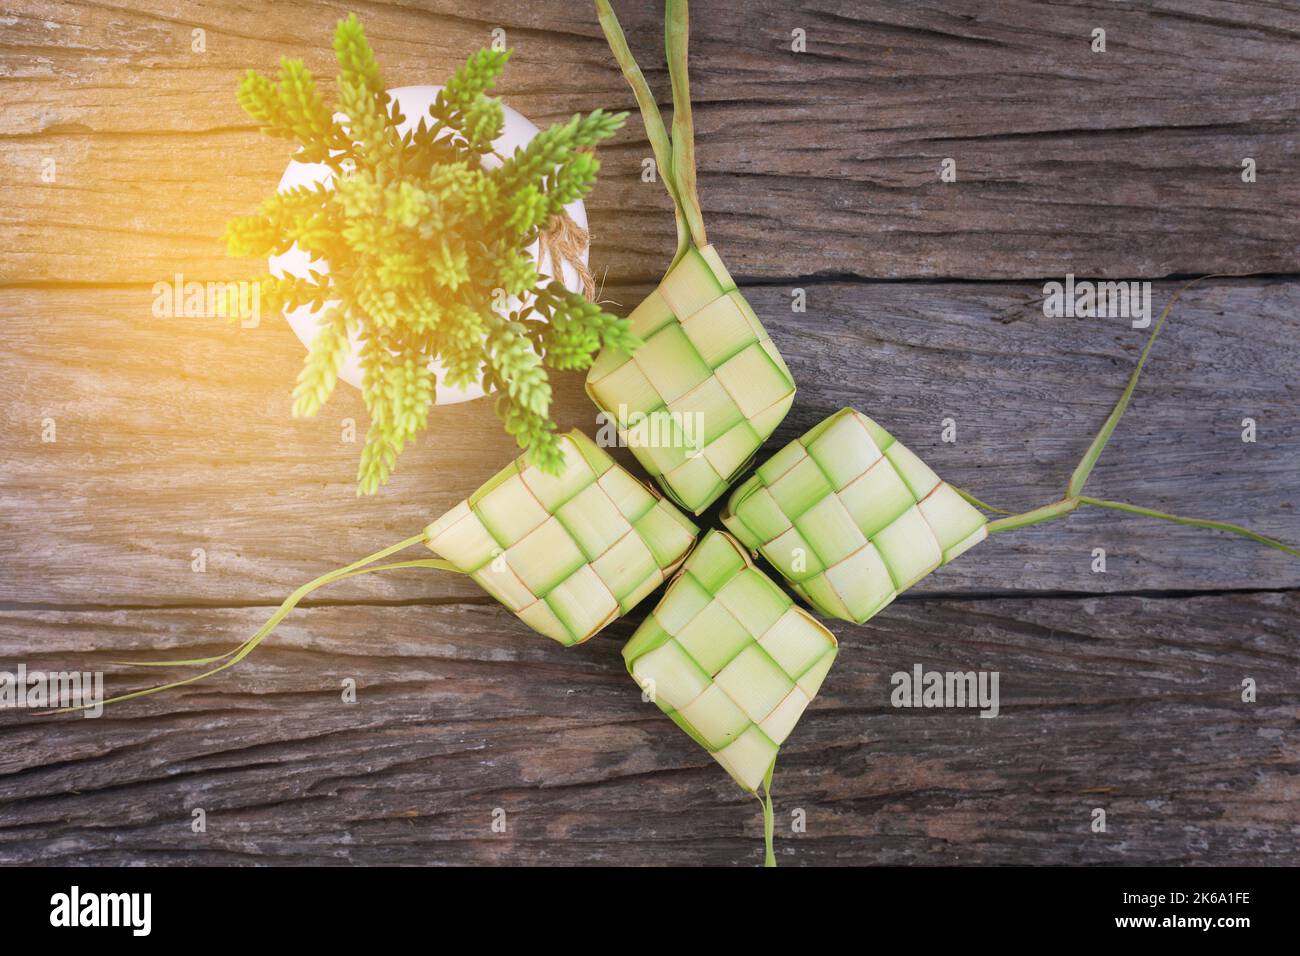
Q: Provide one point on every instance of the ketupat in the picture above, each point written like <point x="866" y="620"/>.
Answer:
<point x="733" y="661"/>
<point x="567" y="553"/>
<point x="851" y="517"/>
<point x="730" y="658"/>
<point x="706" y="389"/>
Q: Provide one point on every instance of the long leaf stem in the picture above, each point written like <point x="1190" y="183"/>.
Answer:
<point x="1081" y="472"/>
<point x="1073" y="498"/>
<point x="231" y="658"/>
<point x="324" y="579"/>
<point x="676" y="42"/>
<point x="1063" y="507"/>
<point x="769" y="819"/>
<point x="656" y="132"/>
<point x="979" y="504"/>
<point x="1057" y="509"/>
<point x="1193" y="522"/>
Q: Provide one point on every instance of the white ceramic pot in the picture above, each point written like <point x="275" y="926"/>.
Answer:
<point x="414" y="102"/>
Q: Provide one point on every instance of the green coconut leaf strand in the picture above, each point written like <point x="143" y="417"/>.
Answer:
<point x="1063" y="507"/>
<point x="979" y="504"/>
<point x="1057" y="509"/>
<point x="231" y="658"/>
<point x="769" y="819"/>
<point x="1073" y="499"/>
<point x="655" y="130"/>
<point x="1193" y="522"/>
<point x="1080" y="476"/>
<point x="676" y="40"/>
<point x="333" y="576"/>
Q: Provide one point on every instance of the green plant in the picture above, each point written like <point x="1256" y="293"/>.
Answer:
<point x="426" y="247"/>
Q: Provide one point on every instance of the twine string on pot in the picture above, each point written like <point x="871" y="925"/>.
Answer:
<point x="563" y="242"/>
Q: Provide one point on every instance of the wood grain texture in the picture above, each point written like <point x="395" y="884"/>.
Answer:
<point x="1125" y="163"/>
<point x="1127" y="704"/>
<point x="818" y="171"/>
<point x="183" y="440"/>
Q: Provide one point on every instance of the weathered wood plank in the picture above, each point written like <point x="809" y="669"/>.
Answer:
<point x="1067" y="160"/>
<point x="1128" y="704"/>
<point x="175" y="434"/>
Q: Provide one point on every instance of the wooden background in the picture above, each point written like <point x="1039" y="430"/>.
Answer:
<point x="819" y="171"/>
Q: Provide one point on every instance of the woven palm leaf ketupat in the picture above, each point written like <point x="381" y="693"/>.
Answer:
<point x="566" y="553"/>
<point x="730" y="658"/>
<point x="707" y="387"/>
<point x="851" y="517"/>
